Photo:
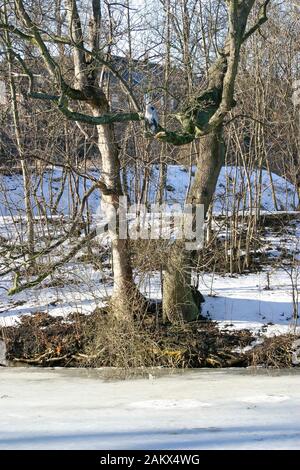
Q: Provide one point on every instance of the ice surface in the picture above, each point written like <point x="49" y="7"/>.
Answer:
<point x="68" y="409"/>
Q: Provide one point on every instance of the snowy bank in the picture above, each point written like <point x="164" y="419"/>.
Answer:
<point x="232" y="190"/>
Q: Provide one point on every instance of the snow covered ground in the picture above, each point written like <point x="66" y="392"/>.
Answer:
<point x="244" y="302"/>
<point x="83" y="292"/>
<point x="232" y="183"/>
<point x="236" y="302"/>
<point x="206" y="409"/>
<point x="232" y="180"/>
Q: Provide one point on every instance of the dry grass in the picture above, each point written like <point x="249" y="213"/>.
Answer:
<point x="101" y="340"/>
<point x="275" y="352"/>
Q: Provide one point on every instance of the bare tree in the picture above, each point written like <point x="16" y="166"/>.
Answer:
<point x="204" y="118"/>
<point x="19" y="143"/>
<point x="86" y="91"/>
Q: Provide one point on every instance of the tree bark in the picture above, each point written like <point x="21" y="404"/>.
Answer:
<point x="179" y="301"/>
<point x="209" y="163"/>
<point x="125" y="291"/>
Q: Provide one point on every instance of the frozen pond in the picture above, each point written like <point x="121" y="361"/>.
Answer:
<point x="203" y="409"/>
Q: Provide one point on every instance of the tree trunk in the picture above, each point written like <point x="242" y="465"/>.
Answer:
<point x="209" y="164"/>
<point x="125" y="291"/>
<point x="24" y="165"/>
<point x="180" y="301"/>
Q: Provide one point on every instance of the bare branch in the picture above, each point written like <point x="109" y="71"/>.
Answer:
<point x="261" y="20"/>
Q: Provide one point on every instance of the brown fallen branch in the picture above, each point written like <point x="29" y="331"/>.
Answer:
<point x="36" y="360"/>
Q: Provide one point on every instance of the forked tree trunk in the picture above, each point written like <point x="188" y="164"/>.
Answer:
<point x="207" y="115"/>
<point x="180" y="300"/>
